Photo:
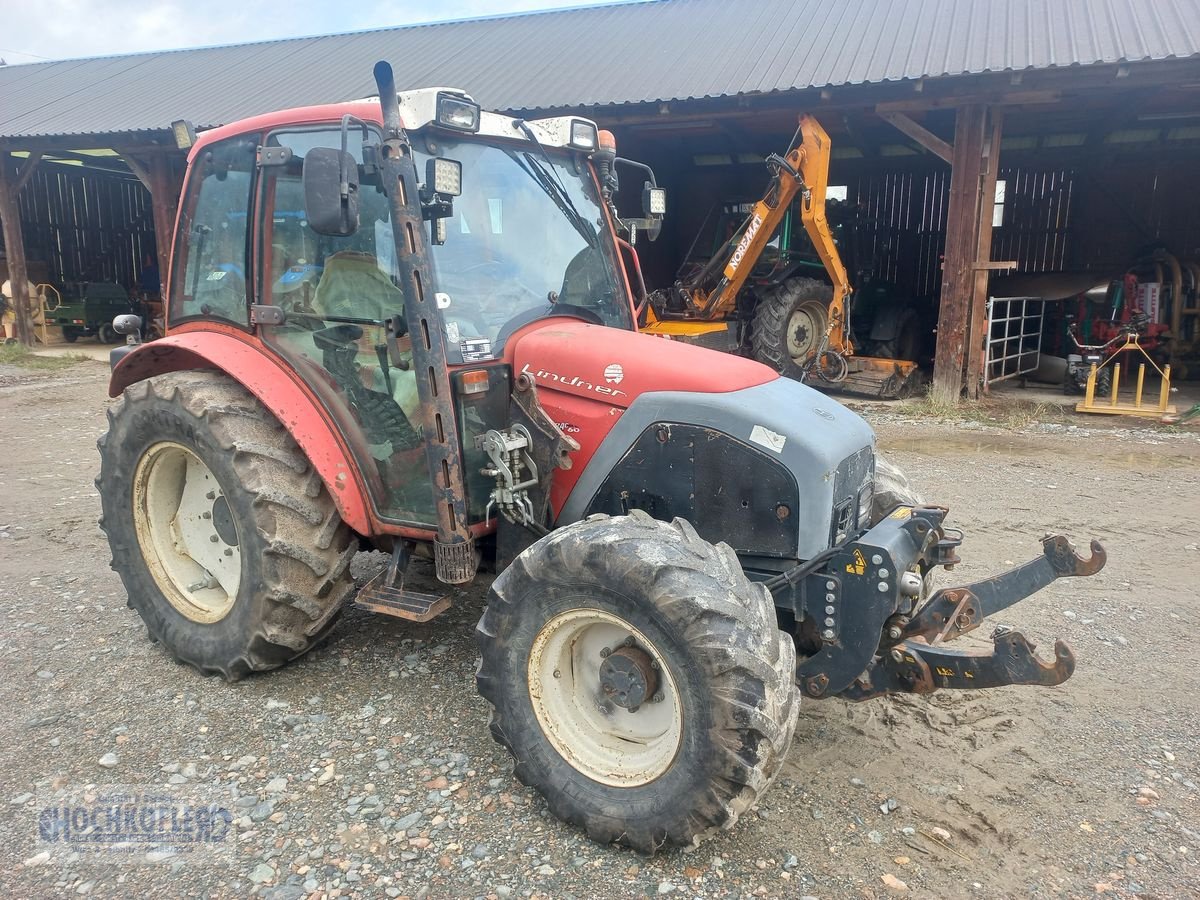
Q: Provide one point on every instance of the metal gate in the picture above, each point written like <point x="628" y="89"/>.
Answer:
<point x="1014" y="346"/>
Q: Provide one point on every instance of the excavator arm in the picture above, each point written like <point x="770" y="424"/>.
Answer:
<point x="804" y="171"/>
<point x="704" y="304"/>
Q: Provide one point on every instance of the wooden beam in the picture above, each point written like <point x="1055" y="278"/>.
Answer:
<point x="140" y="169"/>
<point x="977" y="329"/>
<point x="919" y="133"/>
<point x="164" y="194"/>
<point x="25" y="172"/>
<point x="986" y="98"/>
<point x="962" y="248"/>
<point x="14" y="252"/>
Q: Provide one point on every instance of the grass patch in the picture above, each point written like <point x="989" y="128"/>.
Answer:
<point x="16" y="355"/>
<point x="1003" y="413"/>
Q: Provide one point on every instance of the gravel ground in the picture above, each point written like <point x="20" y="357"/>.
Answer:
<point x="366" y="768"/>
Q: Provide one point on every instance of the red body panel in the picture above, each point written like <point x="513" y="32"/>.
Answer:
<point x="587" y="375"/>
<point x="276" y="386"/>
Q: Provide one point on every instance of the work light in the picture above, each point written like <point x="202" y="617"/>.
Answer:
<point x="583" y="135"/>
<point x="444" y="176"/>
<point x="457" y="113"/>
<point x="654" y="200"/>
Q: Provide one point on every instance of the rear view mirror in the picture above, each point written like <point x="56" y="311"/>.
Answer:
<point x="331" y="191"/>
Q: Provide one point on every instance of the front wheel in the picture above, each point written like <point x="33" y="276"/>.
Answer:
<point x="229" y="545"/>
<point x="639" y="680"/>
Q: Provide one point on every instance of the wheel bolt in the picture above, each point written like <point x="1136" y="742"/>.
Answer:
<point x="654" y="665"/>
<point x="659" y="697"/>
<point x="557" y="673"/>
<point x="213" y="538"/>
<point x="211" y="495"/>
<point x="605" y="653"/>
<point x="629" y="641"/>
<point x="894" y="632"/>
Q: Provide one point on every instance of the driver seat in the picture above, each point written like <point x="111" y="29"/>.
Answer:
<point x="352" y="285"/>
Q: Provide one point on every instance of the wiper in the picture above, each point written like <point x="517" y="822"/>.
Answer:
<point x="553" y="186"/>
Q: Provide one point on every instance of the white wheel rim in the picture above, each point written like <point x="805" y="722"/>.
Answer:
<point x="187" y="535"/>
<point x="803" y="333"/>
<point x="598" y="737"/>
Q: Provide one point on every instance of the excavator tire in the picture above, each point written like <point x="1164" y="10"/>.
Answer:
<point x="789" y="324"/>
<point x="229" y="545"/>
<point x="711" y="722"/>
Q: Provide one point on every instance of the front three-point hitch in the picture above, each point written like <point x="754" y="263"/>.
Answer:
<point x="880" y="639"/>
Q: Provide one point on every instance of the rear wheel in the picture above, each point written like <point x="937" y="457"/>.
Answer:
<point x="639" y="679"/>
<point x="70" y="335"/>
<point x="229" y="546"/>
<point x="790" y="323"/>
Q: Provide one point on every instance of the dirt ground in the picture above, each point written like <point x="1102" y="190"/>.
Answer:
<point x="366" y="768"/>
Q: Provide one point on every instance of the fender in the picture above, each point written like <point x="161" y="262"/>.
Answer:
<point x="276" y="388"/>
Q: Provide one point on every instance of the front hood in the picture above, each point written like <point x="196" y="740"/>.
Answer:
<point x="617" y="366"/>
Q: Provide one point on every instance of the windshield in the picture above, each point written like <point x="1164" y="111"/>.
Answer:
<point x="524" y="240"/>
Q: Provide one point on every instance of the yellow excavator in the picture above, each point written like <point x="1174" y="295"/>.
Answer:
<point x="801" y="327"/>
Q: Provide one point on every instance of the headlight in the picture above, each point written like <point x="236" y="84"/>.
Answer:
<point x="583" y="135"/>
<point x="457" y="113"/>
<point x="865" y="496"/>
<point x="444" y="176"/>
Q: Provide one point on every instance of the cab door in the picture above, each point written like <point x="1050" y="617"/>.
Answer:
<point x="336" y="295"/>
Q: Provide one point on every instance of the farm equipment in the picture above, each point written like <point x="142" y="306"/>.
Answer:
<point x="87" y="309"/>
<point x="685" y="542"/>
<point x="798" y="325"/>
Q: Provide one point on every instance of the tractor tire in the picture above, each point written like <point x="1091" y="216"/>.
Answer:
<point x="229" y="546"/>
<point x="712" y="724"/>
<point x="789" y="324"/>
<point x="892" y="489"/>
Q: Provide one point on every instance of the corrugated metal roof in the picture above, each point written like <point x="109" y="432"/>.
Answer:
<point x="601" y="56"/>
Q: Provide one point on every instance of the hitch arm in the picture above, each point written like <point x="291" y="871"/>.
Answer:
<point x="917" y="668"/>
<point x="955" y="611"/>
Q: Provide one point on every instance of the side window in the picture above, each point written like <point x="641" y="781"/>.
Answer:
<point x="209" y="277"/>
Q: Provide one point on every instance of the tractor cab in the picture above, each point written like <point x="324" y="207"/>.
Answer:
<point x="514" y="230"/>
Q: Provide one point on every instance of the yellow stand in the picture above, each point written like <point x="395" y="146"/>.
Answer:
<point x="1113" y="406"/>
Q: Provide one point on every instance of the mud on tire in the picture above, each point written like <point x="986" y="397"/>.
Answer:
<point x="295" y="551"/>
<point x="714" y="632"/>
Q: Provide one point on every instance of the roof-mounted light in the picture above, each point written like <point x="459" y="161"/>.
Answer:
<point x="583" y="135"/>
<point x="458" y="113"/>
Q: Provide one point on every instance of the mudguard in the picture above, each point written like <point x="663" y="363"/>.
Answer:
<point x="276" y="388"/>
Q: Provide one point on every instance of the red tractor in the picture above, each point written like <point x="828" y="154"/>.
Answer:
<point x="408" y="325"/>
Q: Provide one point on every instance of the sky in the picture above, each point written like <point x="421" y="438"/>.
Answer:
<point x="34" y="30"/>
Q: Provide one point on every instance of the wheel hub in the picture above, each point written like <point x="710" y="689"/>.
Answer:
<point x="576" y="683"/>
<point x="187" y="532"/>
<point x="629" y="677"/>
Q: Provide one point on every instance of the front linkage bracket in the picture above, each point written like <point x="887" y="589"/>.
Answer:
<point x="955" y="611"/>
<point x="918" y="662"/>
